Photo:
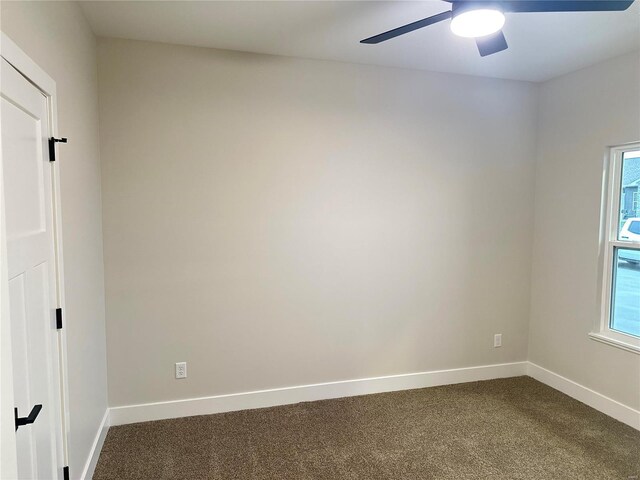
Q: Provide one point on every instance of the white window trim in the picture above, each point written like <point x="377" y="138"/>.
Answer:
<point x="609" y="241"/>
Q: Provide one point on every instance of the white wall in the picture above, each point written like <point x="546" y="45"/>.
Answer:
<point x="276" y="221"/>
<point x="58" y="38"/>
<point x="580" y="115"/>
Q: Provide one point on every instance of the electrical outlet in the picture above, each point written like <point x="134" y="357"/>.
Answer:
<point x="181" y="370"/>
<point x="497" y="340"/>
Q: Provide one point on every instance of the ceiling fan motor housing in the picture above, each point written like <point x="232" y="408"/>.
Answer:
<point x="466" y="5"/>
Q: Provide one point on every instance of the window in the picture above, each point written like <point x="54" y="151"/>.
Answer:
<point x="619" y="324"/>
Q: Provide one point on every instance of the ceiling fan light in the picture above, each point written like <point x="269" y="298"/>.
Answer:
<point x="477" y="23"/>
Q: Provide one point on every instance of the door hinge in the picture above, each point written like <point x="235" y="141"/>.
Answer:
<point x="52" y="147"/>
<point x="65" y="473"/>
<point x="58" y="318"/>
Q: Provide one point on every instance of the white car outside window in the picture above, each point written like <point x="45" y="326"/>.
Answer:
<point x="631" y="230"/>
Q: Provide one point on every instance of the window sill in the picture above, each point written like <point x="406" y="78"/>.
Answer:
<point x="629" y="347"/>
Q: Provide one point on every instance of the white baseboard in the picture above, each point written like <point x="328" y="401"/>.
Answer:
<point x="307" y="393"/>
<point x="585" y="395"/>
<point x="347" y="388"/>
<point x="94" y="453"/>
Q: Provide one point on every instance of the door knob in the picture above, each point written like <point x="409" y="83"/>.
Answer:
<point x="20" y="421"/>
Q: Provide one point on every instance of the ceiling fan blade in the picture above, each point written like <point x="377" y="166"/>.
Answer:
<point x="491" y="44"/>
<point x="562" y="5"/>
<point x="396" y="32"/>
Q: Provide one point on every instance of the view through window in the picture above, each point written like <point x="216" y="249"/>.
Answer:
<point x="625" y="268"/>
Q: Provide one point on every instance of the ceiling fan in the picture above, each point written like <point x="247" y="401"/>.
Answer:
<point x="483" y="19"/>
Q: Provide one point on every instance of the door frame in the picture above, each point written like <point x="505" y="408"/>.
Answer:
<point x="10" y="52"/>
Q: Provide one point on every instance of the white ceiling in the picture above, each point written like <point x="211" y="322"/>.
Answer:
<point x="541" y="45"/>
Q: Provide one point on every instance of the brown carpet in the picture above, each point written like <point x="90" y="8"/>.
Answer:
<point x="513" y="428"/>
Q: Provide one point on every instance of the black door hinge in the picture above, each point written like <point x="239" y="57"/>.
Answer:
<point x="52" y="147"/>
<point x="58" y="318"/>
<point x="65" y="473"/>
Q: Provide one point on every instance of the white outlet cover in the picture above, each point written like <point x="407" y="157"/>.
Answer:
<point x="181" y="370"/>
<point x="497" y="340"/>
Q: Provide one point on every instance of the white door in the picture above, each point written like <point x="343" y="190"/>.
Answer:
<point x="31" y="265"/>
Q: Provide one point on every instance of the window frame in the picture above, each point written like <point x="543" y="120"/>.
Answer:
<point x="610" y="228"/>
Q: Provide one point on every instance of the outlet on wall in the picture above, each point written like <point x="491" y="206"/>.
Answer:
<point x="181" y="370"/>
<point x="497" y="340"/>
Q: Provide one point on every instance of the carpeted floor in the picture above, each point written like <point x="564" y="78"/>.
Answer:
<point x="513" y="428"/>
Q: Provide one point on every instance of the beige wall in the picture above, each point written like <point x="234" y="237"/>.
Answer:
<point x="58" y="38"/>
<point x="276" y="222"/>
<point x="580" y="114"/>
